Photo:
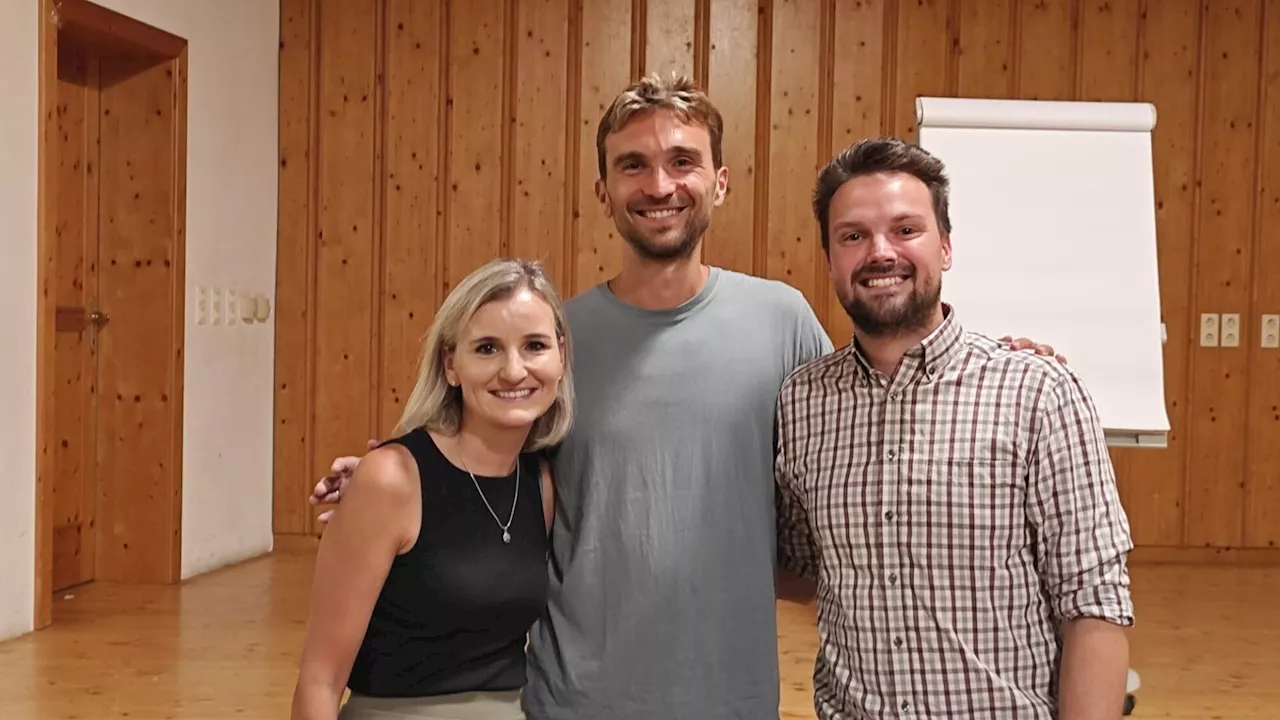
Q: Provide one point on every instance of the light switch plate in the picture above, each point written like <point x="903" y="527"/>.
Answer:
<point x="1271" y="331"/>
<point x="1230" y="333"/>
<point x="1208" y="329"/>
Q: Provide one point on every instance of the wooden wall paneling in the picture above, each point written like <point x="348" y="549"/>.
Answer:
<point x="926" y="32"/>
<point x="1047" y="46"/>
<point x="986" y="50"/>
<point x="1169" y="76"/>
<point x="604" y="68"/>
<point x="1107" y="69"/>
<point x="346" y="211"/>
<point x="669" y="37"/>
<point x="792" y="248"/>
<point x="860" y="82"/>
<point x="477" y="147"/>
<point x="540" y="141"/>
<point x="1215" y="478"/>
<point x="411" y="229"/>
<point x="295" y="269"/>
<point x="734" y="64"/>
<point x="490" y="151"/>
<point x="1262" y="464"/>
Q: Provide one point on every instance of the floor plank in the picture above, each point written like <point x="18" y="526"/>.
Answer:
<point x="225" y="646"/>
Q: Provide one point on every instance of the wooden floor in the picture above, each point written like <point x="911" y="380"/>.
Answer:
<point x="225" y="646"/>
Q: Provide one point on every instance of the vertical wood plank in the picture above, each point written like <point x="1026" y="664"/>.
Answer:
<point x="732" y="87"/>
<point x="1169" y="76"/>
<point x="922" y="67"/>
<point x="669" y="37"/>
<point x="541" y="117"/>
<point x="793" y="247"/>
<point x="476" y="127"/>
<point x="411" y="238"/>
<point x="604" y="72"/>
<point x="1262" y="465"/>
<point x="1108" y="50"/>
<point x="986" y="52"/>
<point x="1049" y="32"/>
<point x="1218" y="403"/>
<point x="294" y="271"/>
<point x="345" y="222"/>
<point x="857" y="107"/>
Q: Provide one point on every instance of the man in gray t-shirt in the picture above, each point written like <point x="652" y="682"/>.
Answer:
<point x="662" y="570"/>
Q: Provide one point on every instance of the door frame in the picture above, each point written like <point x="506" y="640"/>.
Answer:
<point x="108" y="29"/>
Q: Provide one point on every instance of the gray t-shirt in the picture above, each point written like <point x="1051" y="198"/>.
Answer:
<point x="662" y="590"/>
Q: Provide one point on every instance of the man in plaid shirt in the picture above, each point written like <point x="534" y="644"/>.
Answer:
<point x="951" y="499"/>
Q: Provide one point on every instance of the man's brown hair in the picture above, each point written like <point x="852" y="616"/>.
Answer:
<point x="676" y="93"/>
<point x="881" y="155"/>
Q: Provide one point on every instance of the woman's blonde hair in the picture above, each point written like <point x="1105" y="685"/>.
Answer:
<point x="434" y="403"/>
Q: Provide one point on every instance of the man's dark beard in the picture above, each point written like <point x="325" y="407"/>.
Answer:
<point x="913" y="314"/>
<point x="683" y="248"/>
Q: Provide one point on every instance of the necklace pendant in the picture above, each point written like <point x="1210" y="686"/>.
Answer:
<point x="506" y="536"/>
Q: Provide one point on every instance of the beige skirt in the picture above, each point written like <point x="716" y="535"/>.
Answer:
<point x="458" y="706"/>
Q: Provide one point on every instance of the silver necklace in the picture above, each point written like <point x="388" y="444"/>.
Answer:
<point x="506" y="533"/>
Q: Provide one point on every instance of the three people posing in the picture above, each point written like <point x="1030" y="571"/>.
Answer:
<point x="661" y="564"/>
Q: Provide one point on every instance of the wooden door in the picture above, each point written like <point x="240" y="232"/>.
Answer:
<point x="110" y="361"/>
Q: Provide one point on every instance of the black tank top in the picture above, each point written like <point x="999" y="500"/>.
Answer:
<point x="455" y="610"/>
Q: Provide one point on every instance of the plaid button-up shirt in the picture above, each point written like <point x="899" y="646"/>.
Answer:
<point x="954" y="516"/>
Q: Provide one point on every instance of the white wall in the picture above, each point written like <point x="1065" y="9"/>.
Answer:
<point x="18" y="114"/>
<point x="231" y="243"/>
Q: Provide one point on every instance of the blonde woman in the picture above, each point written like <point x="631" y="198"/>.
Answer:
<point x="427" y="583"/>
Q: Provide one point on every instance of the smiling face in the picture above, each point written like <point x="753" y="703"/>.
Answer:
<point x="887" y="255"/>
<point x="508" y="361"/>
<point x="661" y="184"/>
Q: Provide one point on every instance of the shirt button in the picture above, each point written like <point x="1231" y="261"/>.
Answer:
<point x="888" y="515"/>
<point x="891" y="454"/>
<point x="893" y="396"/>
<point x="906" y="705"/>
<point x="897" y="642"/>
<point x="893" y="578"/>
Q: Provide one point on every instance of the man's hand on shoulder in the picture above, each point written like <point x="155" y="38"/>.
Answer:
<point x="1027" y="344"/>
<point x="330" y="488"/>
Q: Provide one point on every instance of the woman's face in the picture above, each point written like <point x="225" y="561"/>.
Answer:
<point x="508" y="361"/>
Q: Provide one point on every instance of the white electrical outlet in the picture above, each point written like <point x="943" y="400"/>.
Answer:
<point x="1271" y="331"/>
<point x="1230" y="334"/>
<point x="1208" y="329"/>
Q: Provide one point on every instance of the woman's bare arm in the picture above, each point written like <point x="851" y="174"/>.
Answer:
<point x="379" y="520"/>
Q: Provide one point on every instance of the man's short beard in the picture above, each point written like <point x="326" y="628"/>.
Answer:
<point x="682" y="249"/>
<point x="912" y="314"/>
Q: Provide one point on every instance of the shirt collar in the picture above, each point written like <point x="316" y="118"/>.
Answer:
<point x="924" y="361"/>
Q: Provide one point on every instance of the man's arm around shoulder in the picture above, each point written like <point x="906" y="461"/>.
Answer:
<point x="1082" y="536"/>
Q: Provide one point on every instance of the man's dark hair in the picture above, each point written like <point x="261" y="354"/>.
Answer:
<point x="881" y="155"/>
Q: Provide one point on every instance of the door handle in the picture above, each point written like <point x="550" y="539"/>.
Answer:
<point x="99" y="318"/>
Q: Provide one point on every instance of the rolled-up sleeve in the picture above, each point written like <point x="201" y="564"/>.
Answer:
<point x="797" y="552"/>
<point x="1082" y="531"/>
